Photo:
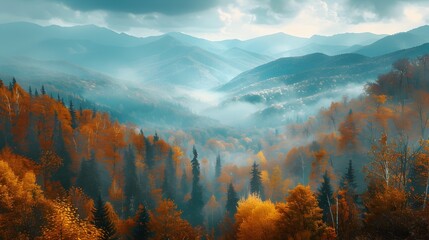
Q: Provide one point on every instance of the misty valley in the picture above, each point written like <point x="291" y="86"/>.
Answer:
<point x="106" y="135"/>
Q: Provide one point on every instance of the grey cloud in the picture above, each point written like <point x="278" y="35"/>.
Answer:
<point x="167" y="7"/>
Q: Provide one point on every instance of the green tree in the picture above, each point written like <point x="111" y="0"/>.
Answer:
<point x="141" y="231"/>
<point x="196" y="202"/>
<point x="169" y="182"/>
<point x="326" y="199"/>
<point x="89" y="178"/>
<point x="231" y="201"/>
<point x="131" y="189"/>
<point x="103" y="221"/>
<point x="256" y="181"/>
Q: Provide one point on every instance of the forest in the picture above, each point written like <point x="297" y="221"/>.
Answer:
<point x="358" y="169"/>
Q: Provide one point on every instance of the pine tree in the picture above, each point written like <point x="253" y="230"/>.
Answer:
<point x="13" y="82"/>
<point x="196" y="203"/>
<point x="30" y="92"/>
<point x="218" y="166"/>
<point x="36" y="93"/>
<point x="155" y="137"/>
<point x="325" y="198"/>
<point x="149" y="155"/>
<point x="348" y="181"/>
<point x="64" y="174"/>
<point x="102" y="220"/>
<point x="89" y="178"/>
<point x="232" y="200"/>
<point x="218" y="171"/>
<point x="131" y="189"/>
<point x="256" y="181"/>
<point x="43" y="90"/>
<point x="184" y="186"/>
<point x="73" y="115"/>
<point x="169" y="182"/>
<point x="141" y="230"/>
<point x="34" y="150"/>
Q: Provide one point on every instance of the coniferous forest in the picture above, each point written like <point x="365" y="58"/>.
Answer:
<point x="74" y="173"/>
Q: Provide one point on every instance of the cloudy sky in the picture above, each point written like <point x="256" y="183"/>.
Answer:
<point x="222" y="19"/>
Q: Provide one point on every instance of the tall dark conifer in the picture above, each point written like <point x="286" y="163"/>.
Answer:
<point x="325" y="198"/>
<point x="64" y="173"/>
<point x="348" y="181"/>
<point x="89" y="178"/>
<point x="43" y="91"/>
<point x="256" y="181"/>
<point x="72" y="115"/>
<point x="102" y="220"/>
<point x="196" y="202"/>
<point x="141" y="231"/>
<point x="231" y="201"/>
<point x="131" y="190"/>
<point x="149" y="154"/>
<point x="169" y="182"/>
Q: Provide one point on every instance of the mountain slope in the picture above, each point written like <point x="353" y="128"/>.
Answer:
<point x="396" y="42"/>
<point x="288" y="87"/>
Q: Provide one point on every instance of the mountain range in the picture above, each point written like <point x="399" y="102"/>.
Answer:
<point x="131" y="76"/>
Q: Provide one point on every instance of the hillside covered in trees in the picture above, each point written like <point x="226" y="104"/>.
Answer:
<point x="356" y="170"/>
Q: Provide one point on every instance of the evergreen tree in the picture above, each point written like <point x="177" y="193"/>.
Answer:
<point x="149" y="155"/>
<point x="348" y="181"/>
<point x="218" y="166"/>
<point x="30" y="92"/>
<point x="325" y="198"/>
<point x="13" y="82"/>
<point x="169" y="182"/>
<point x="34" y="150"/>
<point x="102" y="220"/>
<point x="141" y="230"/>
<point x="73" y="115"/>
<point x="36" y="93"/>
<point x="43" y="90"/>
<point x="155" y="137"/>
<point x="89" y="178"/>
<point x="232" y="200"/>
<point x="218" y="171"/>
<point x="64" y="174"/>
<point x="256" y="181"/>
<point x="131" y="190"/>
<point x="184" y="186"/>
<point x="196" y="202"/>
<point x="58" y="97"/>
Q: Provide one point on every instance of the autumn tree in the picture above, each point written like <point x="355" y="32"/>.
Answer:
<point x="166" y="223"/>
<point x="256" y="219"/>
<point x="301" y="218"/>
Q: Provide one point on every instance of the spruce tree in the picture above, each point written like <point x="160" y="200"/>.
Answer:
<point x="325" y="198"/>
<point x="149" y="154"/>
<point x="169" y="182"/>
<point x="30" y="92"/>
<point x="64" y="173"/>
<point x="36" y="93"/>
<point x="155" y="137"/>
<point x="102" y="220"/>
<point x="348" y="181"/>
<point x="43" y="90"/>
<point x="89" y="178"/>
<point x="196" y="202"/>
<point x="231" y="201"/>
<point x="141" y="230"/>
<point x="73" y="115"/>
<point x="131" y="190"/>
<point x="218" y="166"/>
<point x="256" y="181"/>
